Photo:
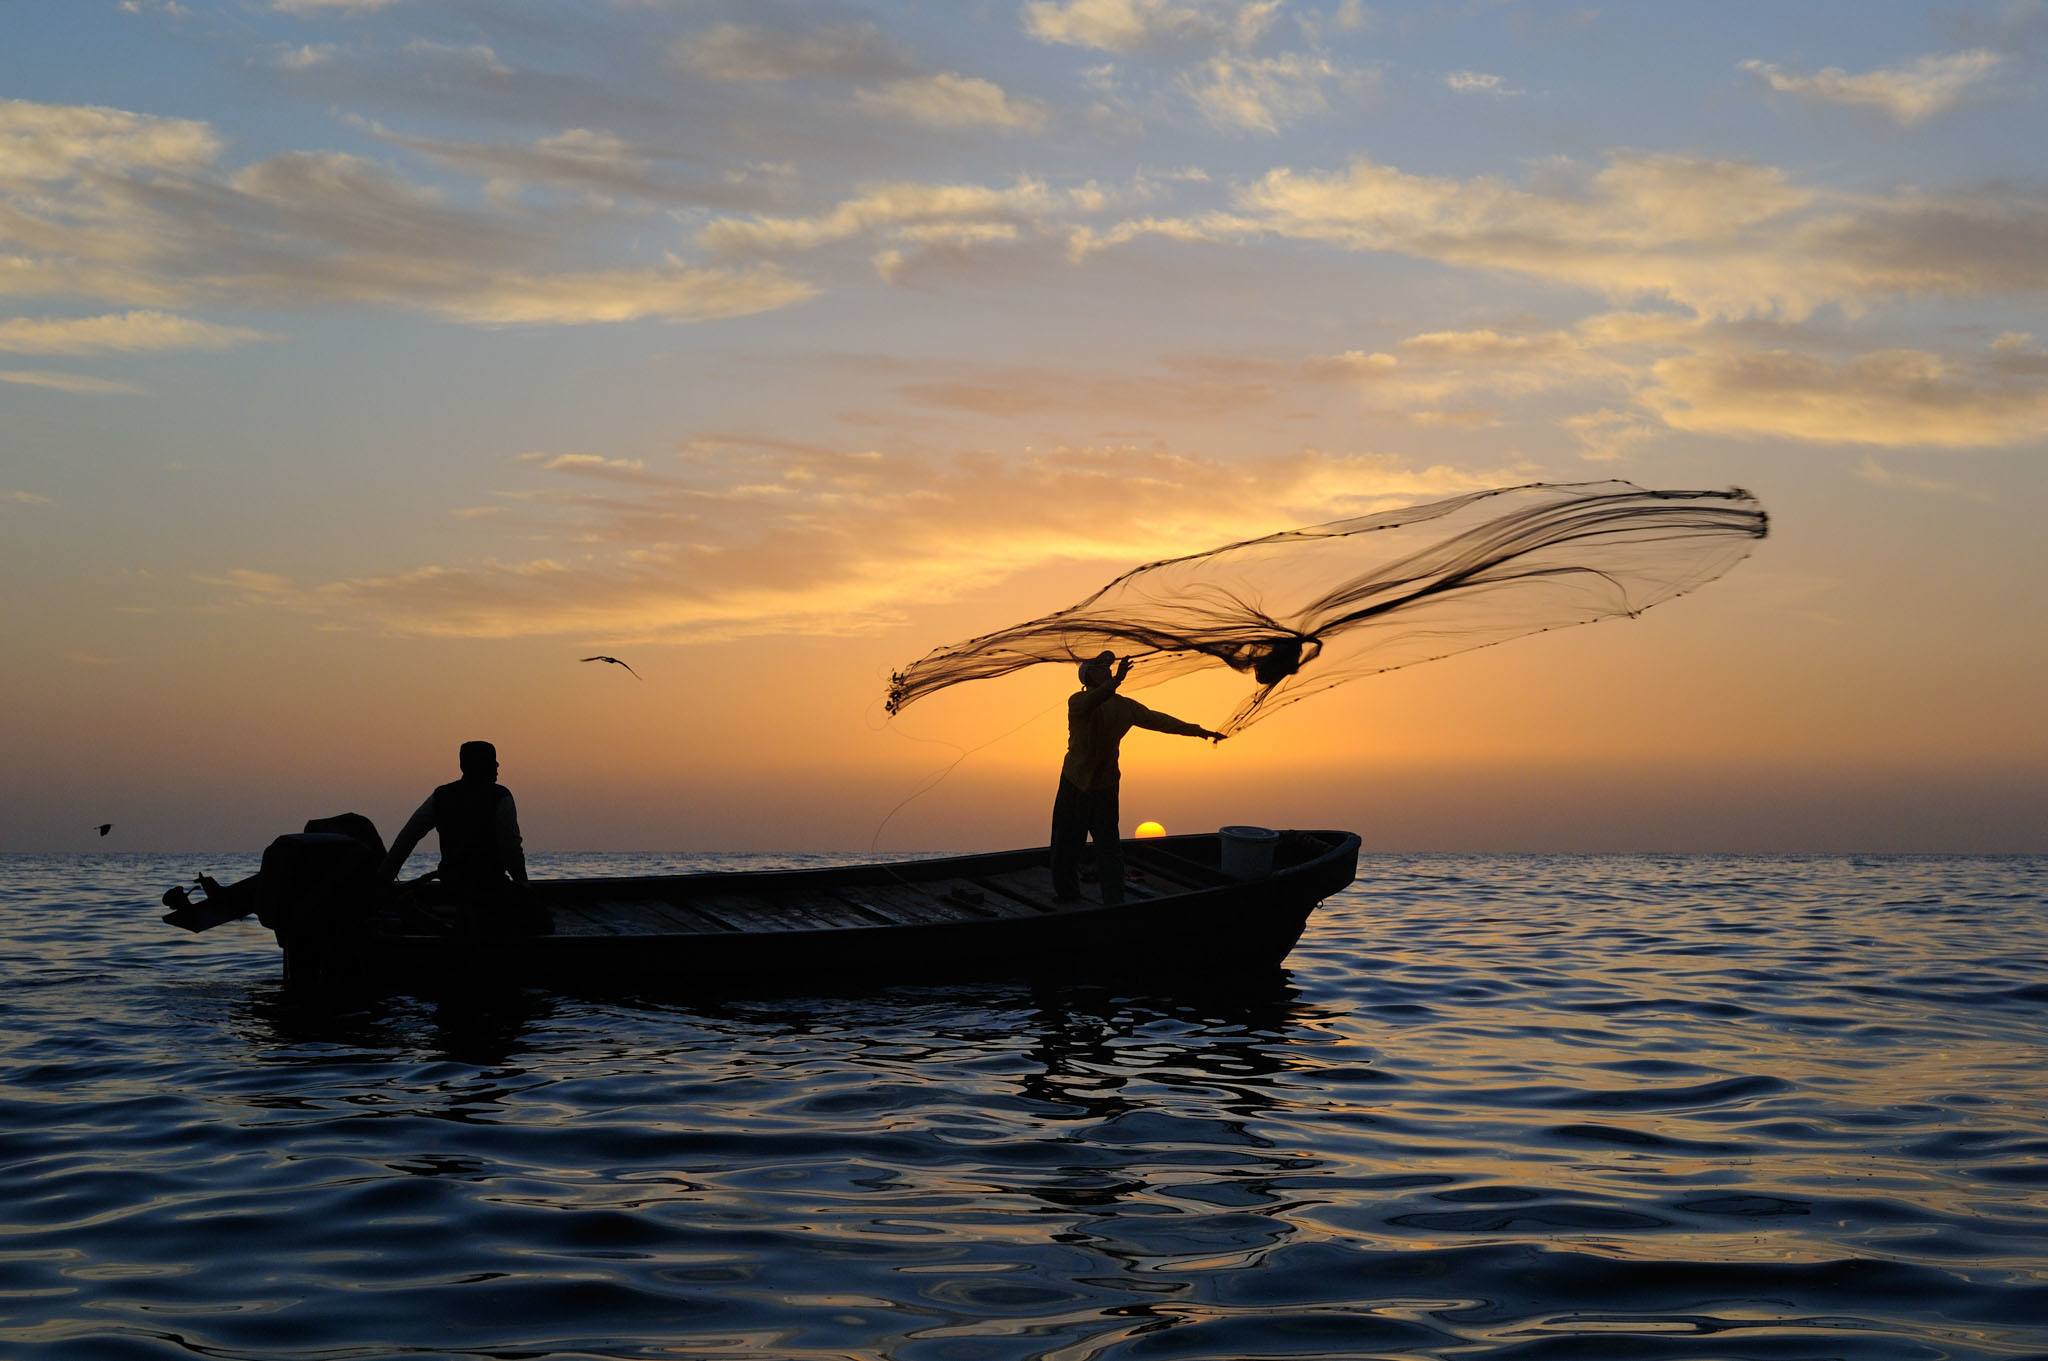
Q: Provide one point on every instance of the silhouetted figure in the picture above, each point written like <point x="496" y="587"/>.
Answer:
<point x="483" y="862"/>
<point x="616" y="662"/>
<point x="1090" y="780"/>
<point x="106" y="827"/>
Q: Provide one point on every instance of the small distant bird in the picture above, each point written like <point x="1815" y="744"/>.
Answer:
<point x="106" y="827"/>
<point x="615" y="662"/>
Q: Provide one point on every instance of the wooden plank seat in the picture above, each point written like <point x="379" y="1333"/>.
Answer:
<point x="1184" y="875"/>
<point x="583" y="919"/>
<point x="907" y="904"/>
<point x="1030" y="886"/>
<point x="744" y="913"/>
<point x="687" y="920"/>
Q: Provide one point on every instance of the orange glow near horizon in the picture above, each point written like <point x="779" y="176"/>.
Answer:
<point x="354" y="446"/>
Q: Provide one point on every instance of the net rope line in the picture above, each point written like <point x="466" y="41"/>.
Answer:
<point x="933" y="781"/>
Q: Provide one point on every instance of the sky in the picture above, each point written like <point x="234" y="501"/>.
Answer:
<point x="366" y="363"/>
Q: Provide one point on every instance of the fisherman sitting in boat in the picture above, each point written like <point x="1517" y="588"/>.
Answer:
<point x="1090" y="780"/>
<point x="482" y="861"/>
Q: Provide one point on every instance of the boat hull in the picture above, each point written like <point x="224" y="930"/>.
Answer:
<point x="964" y="916"/>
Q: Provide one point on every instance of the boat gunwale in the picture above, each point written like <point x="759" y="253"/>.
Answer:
<point x="926" y="867"/>
<point x="1339" y="844"/>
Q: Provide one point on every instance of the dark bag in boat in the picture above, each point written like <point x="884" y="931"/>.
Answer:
<point x="312" y="877"/>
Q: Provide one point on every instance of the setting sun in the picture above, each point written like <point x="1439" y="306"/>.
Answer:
<point x="1150" y="829"/>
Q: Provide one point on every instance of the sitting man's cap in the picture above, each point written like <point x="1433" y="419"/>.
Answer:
<point x="480" y="757"/>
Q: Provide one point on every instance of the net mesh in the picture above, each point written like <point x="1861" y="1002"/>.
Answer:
<point x="1305" y="609"/>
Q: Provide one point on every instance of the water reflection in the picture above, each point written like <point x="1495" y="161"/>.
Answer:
<point x="483" y="1028"/>
<point x="1090" y="1044"/>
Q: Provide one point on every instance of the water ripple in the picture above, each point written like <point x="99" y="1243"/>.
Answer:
<point x="1507" y="1107"/>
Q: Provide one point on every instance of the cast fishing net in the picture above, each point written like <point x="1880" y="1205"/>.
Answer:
<point x="1305" y="609"/>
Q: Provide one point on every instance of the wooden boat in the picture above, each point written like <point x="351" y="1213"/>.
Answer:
<point x="959" y="916"/>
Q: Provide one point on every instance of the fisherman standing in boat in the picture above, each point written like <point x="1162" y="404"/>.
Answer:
<point x="1090" y="780"/>
<point x="483" y="862"/>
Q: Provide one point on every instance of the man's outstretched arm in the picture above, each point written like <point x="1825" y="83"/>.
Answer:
<point x="418" y="825"/>
<point x="1158" y="722"/>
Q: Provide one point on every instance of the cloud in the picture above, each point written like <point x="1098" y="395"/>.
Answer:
<point x="253" y="587"/>
<point x="1437" y="375"/>
<point x="762" y="536"/>
<point x="939" y="247"/>
<point x="953" y="101"/>
<point x="1192" y="386"/>
<point x="1442" y="364"/>
<point x="1526" y="360"/>
<point x="465" y="84"/>
<point x="598" y="466"/>
<point x="1480" y="83"/>
<point x="480" y="57"/>
<point x="1352" y="364"/>
<point x="313" y="7"/>
<point x="1487" y="343"/>
<point x="1641" y="209"/>
<point x="24" y="498"/>
<point x="1384" y="384"/>
<point x="1752" y="379"/>
<point x="1889" y="398"/>
<point x="1909" y="94"/>
<point x="1347" y="16"/>
<point x="304" y="57"/>
<point x="955" y="233"/>
<point x="40" y="142"/>
<point x="587" y="160"/>
<point x="1430" y="378"/>
<point x="1724" y="238"/>
<point x="68" y="382"/>
<point x="740" y="53"/>
<point x="674" y="293"/>
<point x="1607" y="435"/>
<point x="900" y="207"/>
<point x="1430" y="382"/>
<point x="1259" y="94"/>
<point x="1141" y="25"/>
<point x="115" y="206"/>
<point x="125" y="333"/>
<point x="1875" y="473"/>
<point x="1083" y="241"/>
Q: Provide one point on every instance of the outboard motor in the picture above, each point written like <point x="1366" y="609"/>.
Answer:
<point x="314" y="887"/>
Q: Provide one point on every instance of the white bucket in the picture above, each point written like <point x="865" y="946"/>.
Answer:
<point x="1248" y="851"/>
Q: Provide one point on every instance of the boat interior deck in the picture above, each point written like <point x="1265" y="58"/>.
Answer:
<point x="914" y="893"/>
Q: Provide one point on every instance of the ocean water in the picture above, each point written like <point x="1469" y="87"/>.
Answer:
<point x="1527" y="1107"/>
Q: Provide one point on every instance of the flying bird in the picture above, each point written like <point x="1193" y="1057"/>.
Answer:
<point x="615" y="662"/>
<point x="106" y="827"/>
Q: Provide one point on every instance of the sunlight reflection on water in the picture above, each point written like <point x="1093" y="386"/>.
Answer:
<point x="1496" y="1107"/>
